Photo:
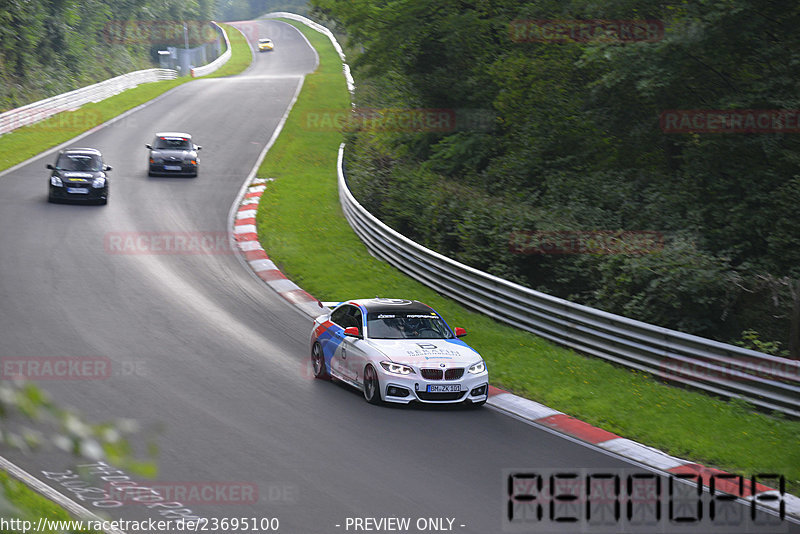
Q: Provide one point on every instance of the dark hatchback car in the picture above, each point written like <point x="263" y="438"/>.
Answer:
<point x="79" y="174"/>
<point x="173" y="153"/>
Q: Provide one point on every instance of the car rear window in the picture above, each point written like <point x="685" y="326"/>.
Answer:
<point x="173" y="143"/>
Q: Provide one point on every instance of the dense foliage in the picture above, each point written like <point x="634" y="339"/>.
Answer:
<point x="250" y="9"/>
<point x="48" y="47"/>
<point x="574" y="143"/>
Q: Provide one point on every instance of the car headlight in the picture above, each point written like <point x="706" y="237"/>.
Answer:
<point x="155" y="159"/>
<point x="397" y="368"/>
<point x="56" y="181"/>
<point x="99" y="182"/>
<point x="477" y="368"/>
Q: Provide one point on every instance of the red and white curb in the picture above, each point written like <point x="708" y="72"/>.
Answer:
<point x="246" y="236"/>
<point x="564" y="424"/>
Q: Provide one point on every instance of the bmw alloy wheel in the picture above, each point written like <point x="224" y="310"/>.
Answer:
<point x="372" y="386"/>
<point x="318" y="361"/>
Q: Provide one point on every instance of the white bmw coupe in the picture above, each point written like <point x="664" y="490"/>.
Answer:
<point x="397" y="351"/>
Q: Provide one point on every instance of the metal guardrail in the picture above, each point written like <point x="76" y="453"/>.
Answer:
<point x="348" y="76"/>
<point x="766" y="381"/>
<point x="220" y="61"/>
<point x="769" y="382"/>
<point x="43" y="109"/>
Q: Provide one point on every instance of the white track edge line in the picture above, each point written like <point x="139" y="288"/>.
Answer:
<point x="16" y="471"/>
<point x="521" y="416"/>
<point x="246" y="185"/>
<point x="90" y="131"/>
<point x="49" y="493"/>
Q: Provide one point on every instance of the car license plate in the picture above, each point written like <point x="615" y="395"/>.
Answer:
<point x="449" y="388"/>
<point x="172" y="167"/>
<point x="81" y="190"/>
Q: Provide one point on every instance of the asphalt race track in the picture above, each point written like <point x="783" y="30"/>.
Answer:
<point x="213" y="361"/>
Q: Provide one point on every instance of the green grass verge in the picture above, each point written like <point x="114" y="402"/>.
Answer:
<point x="28" y="505"/>
<point x="23" y="143"/>
<point x="241" y="56"/>
<point x="26" y="142"/>
<point x="301" y="227"/>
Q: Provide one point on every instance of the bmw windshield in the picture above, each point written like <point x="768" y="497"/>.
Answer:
<point x="407" y="326"/>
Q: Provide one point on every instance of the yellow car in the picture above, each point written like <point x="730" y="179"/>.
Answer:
<point x="265" y="44"/>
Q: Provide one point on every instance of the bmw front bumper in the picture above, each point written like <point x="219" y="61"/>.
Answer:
<point x="403" y="389"/>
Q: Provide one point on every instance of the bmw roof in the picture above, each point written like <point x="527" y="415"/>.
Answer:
<point x="386" y="305"/>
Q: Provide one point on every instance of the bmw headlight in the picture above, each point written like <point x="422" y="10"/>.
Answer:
<point x="99" y="182"/>
<point x="477" y="368"/>
<point x="397" y="368"/>
<point x="55" y="181"/>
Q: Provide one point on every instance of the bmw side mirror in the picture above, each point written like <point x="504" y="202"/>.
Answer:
<point x="197" y="147"/>
<point x="460" y="332"/>
<point x="148" y="146"/>
<point x="51" y="167"/>
<point x="107" y="167"/>
<point x="352" y="331"/>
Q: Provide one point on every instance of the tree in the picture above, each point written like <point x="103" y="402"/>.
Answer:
<point x="575" y="143"/>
